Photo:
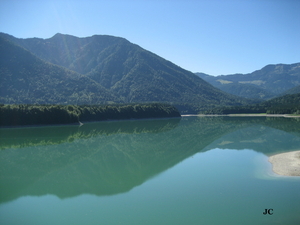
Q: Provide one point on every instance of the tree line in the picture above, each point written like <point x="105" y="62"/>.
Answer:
<point x="287" y="104"/>
<point x="18" y="115"/>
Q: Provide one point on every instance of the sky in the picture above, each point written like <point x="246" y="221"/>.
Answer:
<point x="210" y="36"/>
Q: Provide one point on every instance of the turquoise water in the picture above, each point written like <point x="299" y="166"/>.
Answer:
<point x="197" y="170"/>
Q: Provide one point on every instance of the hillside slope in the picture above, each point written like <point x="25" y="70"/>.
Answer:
<point x="24" y="78"/>
<point x="268" y="82"/>
<point x="294" y="90"/>
<point x="287" y="104"/>
<point x="127" y="70"/>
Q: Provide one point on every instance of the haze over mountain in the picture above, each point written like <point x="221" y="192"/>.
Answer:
<point x="27" y="79"/>
<point x="268" y="82"/>
<point x="114" y="65"/>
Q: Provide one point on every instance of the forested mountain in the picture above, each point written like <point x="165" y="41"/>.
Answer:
<point x="289" y="99"/>
<point x="81" y="55"/>
<point x="24" y="78"/>
<point x="123" y="69"/>
<point x="294" y="90"/>
<point x="287" y="104"/>
<point x="270" y="81"/>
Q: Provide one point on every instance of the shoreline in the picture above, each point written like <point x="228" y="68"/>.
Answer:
<point x="81" y="123"/>
<point x="246" y="114"/>
<point x="286" y="164"/>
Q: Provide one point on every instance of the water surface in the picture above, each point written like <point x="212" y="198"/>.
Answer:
<point x="197" y="170"/>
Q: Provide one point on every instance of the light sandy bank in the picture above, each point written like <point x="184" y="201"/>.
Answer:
<point x="248" y="114"/>
<point x="286" y="164"/>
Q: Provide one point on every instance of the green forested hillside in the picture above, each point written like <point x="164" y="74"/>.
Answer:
<point x="81" y="55"/>
<point x="16" y="115"/>
<point x="268" y="82"/>
<point x="24" y="78"/>
<point x="122" y="69"/>
<point x="294" y="90"/>
<point x="246" y="90"/>
<point x="287" y="104"/>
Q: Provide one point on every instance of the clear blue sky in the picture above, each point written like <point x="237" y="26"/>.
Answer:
<point x="211" y="36"/>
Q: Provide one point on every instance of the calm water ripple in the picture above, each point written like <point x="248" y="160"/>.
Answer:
<point x="197" y="170"/>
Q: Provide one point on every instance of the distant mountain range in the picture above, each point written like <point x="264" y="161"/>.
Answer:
<point x="100" y="69"/>
<point x="103" y="69"/>
<point x="266" y="83"/>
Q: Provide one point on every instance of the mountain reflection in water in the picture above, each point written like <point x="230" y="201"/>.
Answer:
<point x="109" y="158"/>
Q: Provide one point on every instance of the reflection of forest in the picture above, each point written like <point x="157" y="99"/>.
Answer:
<point x="266" y="135"/>
<point x="113" y="157"/>
<point x="49" y="135"/>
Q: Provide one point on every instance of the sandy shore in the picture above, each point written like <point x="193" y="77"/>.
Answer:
<point x="248" y="115"/>
<point x="286" y="164"/>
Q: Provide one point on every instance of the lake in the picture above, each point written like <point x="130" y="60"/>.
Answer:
<point x="193" y="170"/>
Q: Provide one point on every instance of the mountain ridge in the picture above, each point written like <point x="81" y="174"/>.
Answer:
<point x="268" y="82"/>
<point x="21" y="80"/>
<point x="129" y="72"/>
